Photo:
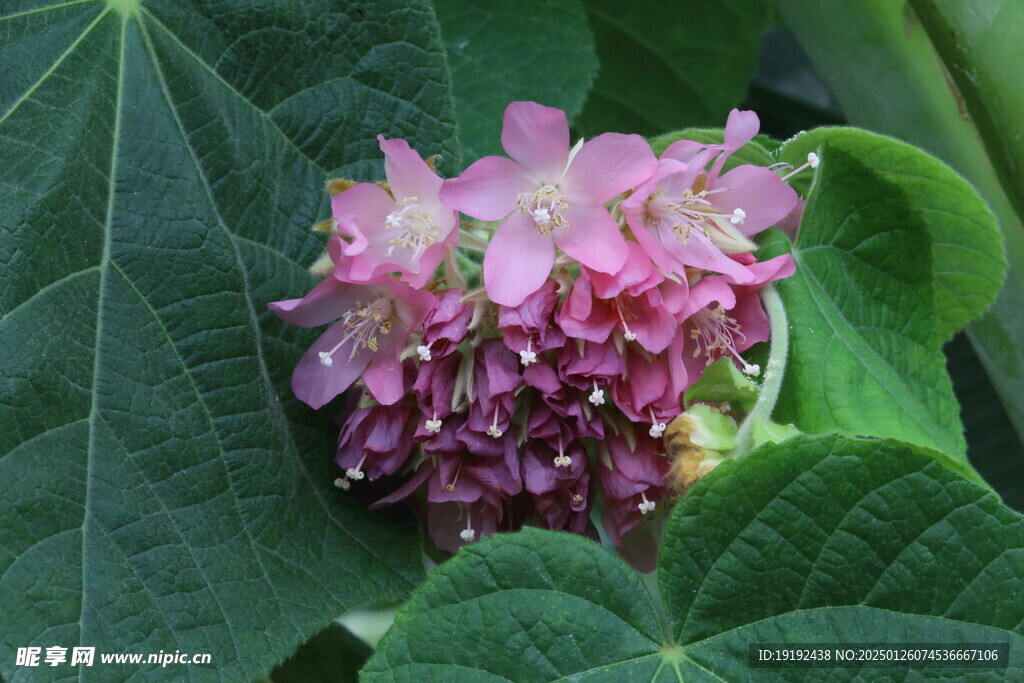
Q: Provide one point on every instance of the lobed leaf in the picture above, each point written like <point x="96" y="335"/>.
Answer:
<point x="818" y="539"/>
<point x="161" y="165"/>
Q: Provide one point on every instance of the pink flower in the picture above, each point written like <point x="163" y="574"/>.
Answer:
<point x="650" y="390"/>
<point x="555" y="197"/>
<point x="374" y="323"/>
<point x="406" y="230"/>
<point x="633" y="485"/>
<point x="690" y="215"/>
<point x="722" y="318"/>
<point x="495" y="380"/>
<point x="376" y="441"/>
<point x="445" y="326"/>
<point x="630" y="300"/>
<point x="530" y="327"/>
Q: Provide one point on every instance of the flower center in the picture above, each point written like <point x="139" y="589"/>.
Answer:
<point x="362" y="324"/>
<point x="415" y="230"/>
<point x="547" y="208"/>
<point x="715" y="335"/>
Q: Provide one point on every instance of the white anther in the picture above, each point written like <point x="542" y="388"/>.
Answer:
<point x="646" y="506"/>
<point x="752" y="370"/>
<point x="424" y="352"/>
<point x="657" y="429"/>
<point x="493" y="431"/>
<point x="737" y="217"/>
<point x="433" y="426"/>
<point x="467" y="535"/>
<point x="527" y="357"/>
<point x="541" y="216"/>
<point x="813" y="160"/>
<point x="563" y="461"/>
<point x="630" y="336"/>
<point x="325" y="359"/>
<point x="342" y="483"/>
<point x="354" y="473"/>
<point x="597" y="396"/>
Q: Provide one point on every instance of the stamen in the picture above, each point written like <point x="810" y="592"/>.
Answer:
<point x="433" y="426"/>
<point x="562" y="460"/>
<point x="597" y="397"/>
<point x="812" y="161"/>
<point x="737" y="216"/>
<point x="657" y="428"/>
<point x="342" y="483"/>
<point x="424" y="352"/>
<point x="529" y="356"/>
<point x="628" y="333"/>
<point x="361" y="324"/>
<point x="493" y="430"/>
<point x="450" y="487"/>
<point x="647" y="505"/>
<point x="356" y="473"/>
<point x="468" y="534"/>
<point x="546" y="207"/>
<point x="415" y="228"/>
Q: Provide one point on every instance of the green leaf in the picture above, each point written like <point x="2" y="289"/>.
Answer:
<point x="332" y="656"/>
<point x="686" y="64"/>
<point x="818" y="539"/>
<point x="509" y="50"/>
<point x="879" y="62"/>
<point x="722" y="382"/>
<point x="967" y="251"/>
<point x="865" y="355"/>
<point x="163" y="490"/>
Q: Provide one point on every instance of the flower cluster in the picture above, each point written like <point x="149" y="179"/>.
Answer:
<point x="611" y="279"/>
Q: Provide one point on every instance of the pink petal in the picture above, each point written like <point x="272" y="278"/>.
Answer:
<point x="712" y="288"/>
<point x="773" y="269"/>
<point x="763" y="196"/>
<point x="315" y="384"/>
<point x="488" y="189"/>
<point x="538" y="138"/>
<point x="647" y="237"/>
<point x="518" y="261"/>
<point x="360" y="212"/>
<point x="383" y="375"/>
<point x="701" y="252"/>
<point x="325" y="303"/>
<point x="740" y="128"/>
<point x="607" y="166"/>
<point x="593" y="239"/>
<point x="752" y="319"/>
<point x="637" y="271"/>
<point x="408" y="175"/>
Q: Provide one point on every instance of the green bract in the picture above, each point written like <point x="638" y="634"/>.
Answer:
<point x="818" y="539"/>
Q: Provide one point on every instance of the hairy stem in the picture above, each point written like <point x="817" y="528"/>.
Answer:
<point x="774" y="371"/>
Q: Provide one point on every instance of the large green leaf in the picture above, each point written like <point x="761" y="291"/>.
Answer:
<point x="668" y="66"/>
<point x="160" y="165"/>
<point x="817" y="539"/>
<point x="507" y="50"/>
<point x="967" y="253"/>
<point x="879" y="62"/>
<point x="865" y="354"/>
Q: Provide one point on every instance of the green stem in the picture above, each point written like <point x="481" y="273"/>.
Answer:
<point x="775" y="369"/>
